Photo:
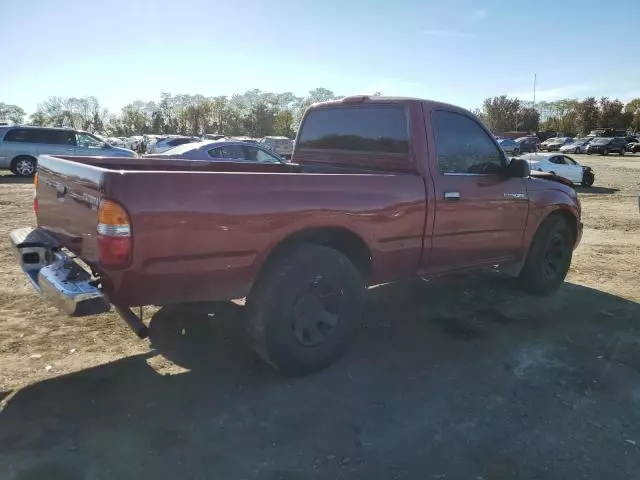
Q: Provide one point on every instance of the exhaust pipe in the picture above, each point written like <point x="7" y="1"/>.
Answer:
<point x="134" y="322"/>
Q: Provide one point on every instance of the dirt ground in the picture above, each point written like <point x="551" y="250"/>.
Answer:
<point x="459" y="378"/>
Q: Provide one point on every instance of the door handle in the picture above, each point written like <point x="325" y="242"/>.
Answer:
<point x="452" y="196"/>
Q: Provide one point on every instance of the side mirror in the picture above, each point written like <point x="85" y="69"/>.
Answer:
<point x="518" y="168"/>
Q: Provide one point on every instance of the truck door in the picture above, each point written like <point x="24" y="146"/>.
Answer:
<point x="480" y="213"/>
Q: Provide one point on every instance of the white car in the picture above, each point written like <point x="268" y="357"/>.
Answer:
<point x="577" y="146"/>
<point x="561" y="165"/>
<point x="162" y="144"/>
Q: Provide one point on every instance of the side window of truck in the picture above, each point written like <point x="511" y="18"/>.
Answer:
<point x="371" y="128"/>
<point x="463" y="146"/>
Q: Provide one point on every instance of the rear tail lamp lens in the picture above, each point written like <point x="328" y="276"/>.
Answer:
<point x="114" y="235"/>
<point x="36" y="183"/>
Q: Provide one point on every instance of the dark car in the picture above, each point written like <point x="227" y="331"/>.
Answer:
<point x="528" y="144"/>
<point x="605" y="146"/>
<point x="633" y="147"/>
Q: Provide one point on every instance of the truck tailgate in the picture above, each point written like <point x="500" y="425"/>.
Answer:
<point x="68" y="195"/>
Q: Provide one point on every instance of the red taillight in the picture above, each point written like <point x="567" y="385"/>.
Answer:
<point x="114" y="235"/>
<point x="36" y="182"/>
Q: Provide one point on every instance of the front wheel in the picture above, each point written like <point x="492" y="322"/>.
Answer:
<point x="304" y="309"/>
<point x="549" y="257"/>
<point x="588" y="178"/>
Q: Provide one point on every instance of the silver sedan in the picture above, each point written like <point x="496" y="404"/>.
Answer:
<point x="577" y="146"/>
<point x="221" y="151"/>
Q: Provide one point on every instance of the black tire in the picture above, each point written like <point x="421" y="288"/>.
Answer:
<point x="621" y="152"/>
<point x="304" y="309"/>
<point x="549" y="257"/>
<point x="587" y="179"/>
<point x="588" y="152"/>
<point x="605" y="151"/>
<point x="24" y="166"/>
<point x="577" y="150"/>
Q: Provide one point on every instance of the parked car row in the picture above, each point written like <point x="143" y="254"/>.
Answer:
<point x="566" y="144"/>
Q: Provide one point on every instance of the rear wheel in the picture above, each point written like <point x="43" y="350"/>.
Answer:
<point x="304" y="308"/>
<point x="549" y="257"/>
<point x="622" y="151"/>
<point x="605" y="151"/>
<point x="24" y="166"/>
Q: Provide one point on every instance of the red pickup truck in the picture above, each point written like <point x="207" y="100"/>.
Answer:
<point x="379" y="189"/>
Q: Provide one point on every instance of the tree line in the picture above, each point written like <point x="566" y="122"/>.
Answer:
<point x="569" y="116"/>
<point x="253" y="113"/>
<point x="256" y="114"/>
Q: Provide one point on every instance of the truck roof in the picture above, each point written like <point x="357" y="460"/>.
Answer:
<point x="358" y="99"/>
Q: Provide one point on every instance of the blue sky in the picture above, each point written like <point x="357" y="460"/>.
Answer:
<point x="455" y="51"/>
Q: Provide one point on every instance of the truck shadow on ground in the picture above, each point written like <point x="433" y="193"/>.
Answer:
<point x="596" y="190"/>
<point x="14" y="179"/>
<point x="459" y="378"/>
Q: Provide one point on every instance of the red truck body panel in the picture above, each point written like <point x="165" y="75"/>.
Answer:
<point x="203" y="235"/>
<point x="202" y="231"/>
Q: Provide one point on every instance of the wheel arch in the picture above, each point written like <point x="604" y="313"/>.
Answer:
<point x="347" y="242"/>
<point x="570" y="217"/>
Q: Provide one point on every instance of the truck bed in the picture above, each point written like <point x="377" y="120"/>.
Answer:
<point x="202" y="230"/>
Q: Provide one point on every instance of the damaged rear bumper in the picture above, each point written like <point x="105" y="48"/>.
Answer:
<point x="56" y="275"/>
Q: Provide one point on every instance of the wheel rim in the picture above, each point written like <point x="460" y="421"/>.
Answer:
<point x="555" y="256"/>
<point x="25" y="167"/>
<point x="316" y="314"/>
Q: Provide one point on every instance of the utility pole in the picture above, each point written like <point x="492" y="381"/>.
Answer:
<point x="535" y="77"/>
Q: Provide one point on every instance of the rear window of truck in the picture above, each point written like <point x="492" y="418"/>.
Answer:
<point x="379" y="129"/>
